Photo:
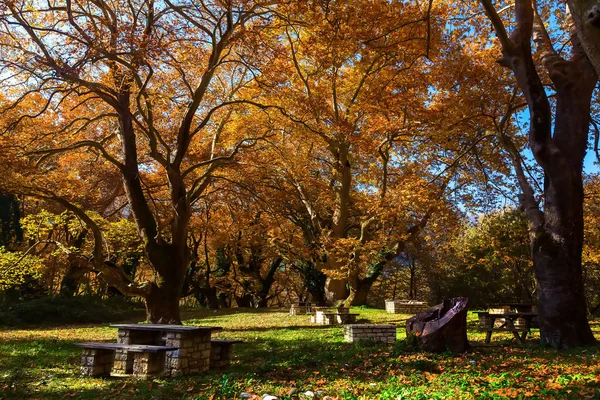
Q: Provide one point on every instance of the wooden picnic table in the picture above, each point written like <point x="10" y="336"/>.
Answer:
<point x="514" y="307"/>
<point x="192" y="343"/>
<point x="519" y="331"/>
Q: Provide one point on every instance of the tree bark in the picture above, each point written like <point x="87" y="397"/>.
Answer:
<point x="69" y="284"/>
<point x="171" y="262"/>
<point x="360" y="288"/>
<point x="560" y="292"/>
<point x="556" y="232"/>
<point x="162" y="305"/>
<point x="267" y="282"/>
<point x="442" y="327"/>
<point x="586" y="15"/>
<point x="336" y="290"/>
<point x="244" y="301"/>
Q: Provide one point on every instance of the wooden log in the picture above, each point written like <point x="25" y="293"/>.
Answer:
<point x="442" y="327"/>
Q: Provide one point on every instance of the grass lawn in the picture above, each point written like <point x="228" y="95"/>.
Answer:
<point x="281" y="351"/>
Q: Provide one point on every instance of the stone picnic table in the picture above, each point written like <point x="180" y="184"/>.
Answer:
<point x="192" y="343"/>
<point x="519" y="323"/>
<point x="332" y="316"/>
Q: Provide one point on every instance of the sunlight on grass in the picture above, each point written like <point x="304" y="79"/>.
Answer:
<point x="280" y="351"/>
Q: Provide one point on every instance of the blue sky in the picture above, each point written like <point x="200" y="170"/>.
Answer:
<point x="590" y="165"/>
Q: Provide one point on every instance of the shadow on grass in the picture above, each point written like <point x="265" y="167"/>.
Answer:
<point x="199" y="313"/>
<point x="49" y="368"/>
<point x="282" y="328"/>
<point x="227" y="387"/>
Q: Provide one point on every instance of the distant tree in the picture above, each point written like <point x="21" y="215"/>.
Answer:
<point x="491" y="260"/>
<point x="10" y="221"/>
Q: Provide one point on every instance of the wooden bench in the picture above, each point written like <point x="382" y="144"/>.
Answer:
<point x="517" y="323"/>
<point x="100" y="359"/>
<point x="220" y="353"/>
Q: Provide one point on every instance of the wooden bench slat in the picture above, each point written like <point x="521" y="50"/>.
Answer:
<point x="135" y="348"/>
<point x="503" y="329"/>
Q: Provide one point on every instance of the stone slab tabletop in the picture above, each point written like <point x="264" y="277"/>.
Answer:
<point x="120" y="346"/>
<point x="165" y="328"/>
<point x="371" y="326"/>
<point x="513" y="314"/>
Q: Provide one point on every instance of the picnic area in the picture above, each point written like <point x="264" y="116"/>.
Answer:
<point x="281" y="352"/>
<point x="293" y="200"/>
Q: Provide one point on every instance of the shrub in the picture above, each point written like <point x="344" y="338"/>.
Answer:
<point x="59" y="310"/>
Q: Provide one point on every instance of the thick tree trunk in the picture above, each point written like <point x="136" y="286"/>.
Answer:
<point x="336" y="290"/>
<point x="561" y="300"/>
<point x="360" y="296"/>
<point x="314" y="280"/>
<point x="211" y="297"/>
<point x="162" y="305"/>
<point x="557" y="262"/>
<point x="360" y="288"/>
<point x="556" y="231"/>
<point x="244" y="301"/>
<point x="586" y="15"/>
<point x="557" y="247"/>
<point x="171" y="262"/>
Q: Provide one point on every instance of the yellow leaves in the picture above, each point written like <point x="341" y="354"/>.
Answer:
<point x="18" y="267"/>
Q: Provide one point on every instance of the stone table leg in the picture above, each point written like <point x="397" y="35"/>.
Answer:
<point x="220" y="355"/>
<point x="148" y="364"/>
<point x="96" y="362"/>
<point x="124" y="359"/>
<point x="193" y="355"/>
<point x="123" y="363"/>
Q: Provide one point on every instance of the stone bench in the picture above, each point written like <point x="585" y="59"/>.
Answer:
<point x="405" y="306"/>
<point x="332" y="318"/>
<point x="376" y="333"/>
<point x="220" y="353"/>
<point x="100" y="359"/>
<point x="297" y="309"/>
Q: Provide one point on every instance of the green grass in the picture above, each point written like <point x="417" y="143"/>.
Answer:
<point x="281" y="351"/>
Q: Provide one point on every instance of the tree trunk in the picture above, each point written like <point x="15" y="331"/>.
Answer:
<point x="557" y="248"/>
<point x="314" y="280"/>
<point x="556" y="231"/>
<point x="412" y="290"/>
<point x="244" y="301"/>
<point x="362" y="294"/>
<point x="561" y="297"/>
<point x="586" y="16"/>
<point x="442" y="327"/>
<point x="267" y="282"/>
<point x="162" y="305"/>
<point x="69" y="284"/>
<point x="360" y="288"/>
<point x="336" y="290"/>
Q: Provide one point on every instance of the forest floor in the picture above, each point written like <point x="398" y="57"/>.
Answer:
<point x="280" y="351"/>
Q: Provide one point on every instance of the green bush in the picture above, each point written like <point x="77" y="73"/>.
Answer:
<point x="67" y="310"/>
